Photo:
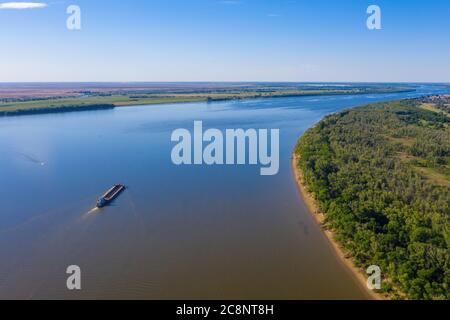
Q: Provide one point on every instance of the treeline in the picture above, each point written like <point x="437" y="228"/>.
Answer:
<point x="27" y="99"/>
<point x="384" y="211"/>
<point x="57" y="109"/>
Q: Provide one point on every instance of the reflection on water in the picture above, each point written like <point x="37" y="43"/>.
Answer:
<point x="177" y="232"/>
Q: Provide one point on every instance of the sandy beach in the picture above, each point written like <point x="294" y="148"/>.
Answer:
<point x="319" y="217"/>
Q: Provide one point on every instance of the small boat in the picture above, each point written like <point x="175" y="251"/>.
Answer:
<point x="110" y="195"/>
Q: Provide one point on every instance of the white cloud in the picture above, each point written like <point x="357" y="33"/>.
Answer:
<point x="22" y="5"/>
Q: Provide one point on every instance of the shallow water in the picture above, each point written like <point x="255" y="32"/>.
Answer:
<point x="220" y="232"/>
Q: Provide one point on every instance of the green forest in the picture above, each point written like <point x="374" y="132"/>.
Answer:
<point x="381" y="176"/>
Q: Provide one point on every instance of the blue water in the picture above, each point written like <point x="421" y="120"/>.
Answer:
<point x="183" y="232"/>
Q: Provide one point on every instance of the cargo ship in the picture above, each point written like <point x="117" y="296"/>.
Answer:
<point x="110" y="195"/>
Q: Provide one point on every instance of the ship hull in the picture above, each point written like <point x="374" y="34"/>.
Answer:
<point x="110" y="195"/>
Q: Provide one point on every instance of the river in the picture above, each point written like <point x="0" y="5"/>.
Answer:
<point x="178" y="232"/>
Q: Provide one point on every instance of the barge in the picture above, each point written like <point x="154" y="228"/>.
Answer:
<point x="110" y="195"/>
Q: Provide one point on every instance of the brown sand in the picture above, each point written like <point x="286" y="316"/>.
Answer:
<point x="310" y="202"/>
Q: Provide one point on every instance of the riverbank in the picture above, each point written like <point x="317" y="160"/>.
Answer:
<point x="319" y="217"/>
<point x="57" y="109"/>
<point x="27" y="103"/>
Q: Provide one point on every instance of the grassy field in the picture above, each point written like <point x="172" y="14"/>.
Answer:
<point x="432" y="107"/>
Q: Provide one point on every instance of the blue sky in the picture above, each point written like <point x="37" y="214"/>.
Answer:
<point x="227" y="40"/>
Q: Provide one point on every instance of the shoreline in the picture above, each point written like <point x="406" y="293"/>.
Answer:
<point x="358" y="274"/>
<point x="111" y="105"/>
<point x="50" y="110"/>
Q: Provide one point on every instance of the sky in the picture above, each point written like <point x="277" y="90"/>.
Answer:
<point x="225" y="40"/>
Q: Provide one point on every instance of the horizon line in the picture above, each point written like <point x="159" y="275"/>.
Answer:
<point x="213" y="81"/>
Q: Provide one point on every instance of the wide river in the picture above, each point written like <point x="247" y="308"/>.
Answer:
<point x="178" y="232"/>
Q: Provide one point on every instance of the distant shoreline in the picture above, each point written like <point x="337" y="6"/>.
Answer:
<point x="18" y="111"/>
<point x="319" y="217"/>
<point x="62" y="109"/>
